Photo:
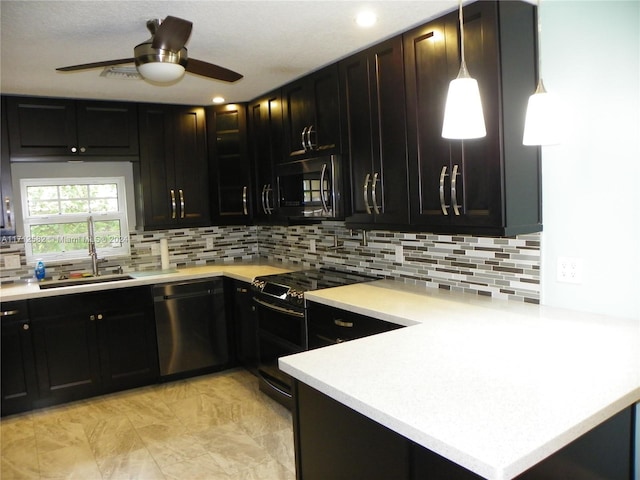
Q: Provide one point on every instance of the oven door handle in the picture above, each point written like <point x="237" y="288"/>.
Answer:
<point x="278" y="309"/>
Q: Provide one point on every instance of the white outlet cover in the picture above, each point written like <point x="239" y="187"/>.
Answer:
<point x="399" y="254"/>
<point x="11" y="261"/>
<point x="312" y="245"/>
<point x="570" y="270"/>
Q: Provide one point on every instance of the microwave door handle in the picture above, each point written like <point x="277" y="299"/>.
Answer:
<point x="266" y="198"/>
<point x="322" y="190"/>
<point x="263" y="197"/>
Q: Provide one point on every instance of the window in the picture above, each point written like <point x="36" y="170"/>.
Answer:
<point x="56" y="212"/>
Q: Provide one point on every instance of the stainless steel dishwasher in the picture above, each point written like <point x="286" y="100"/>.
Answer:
<point x="191" y="327"/>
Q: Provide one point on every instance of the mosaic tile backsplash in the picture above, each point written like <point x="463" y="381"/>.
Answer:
<point x="499" y="267"/>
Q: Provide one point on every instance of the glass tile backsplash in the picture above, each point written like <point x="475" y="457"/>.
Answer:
<point x="498" y="267"/>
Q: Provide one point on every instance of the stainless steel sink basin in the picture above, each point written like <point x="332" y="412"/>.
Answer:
<point x="68" y="282"/>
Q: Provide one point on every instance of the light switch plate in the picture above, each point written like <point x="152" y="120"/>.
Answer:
<point x="312" y="245"/>
<point x="209" y="243"/>
<point x="11" y="261"/>
<point x="399" y="254"/>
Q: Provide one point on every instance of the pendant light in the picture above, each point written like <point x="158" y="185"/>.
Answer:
<point x="463" y="116"/>
<point x="541" y="125"/>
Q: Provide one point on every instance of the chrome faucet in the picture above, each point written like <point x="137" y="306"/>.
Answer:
<point x="93" y="253"/>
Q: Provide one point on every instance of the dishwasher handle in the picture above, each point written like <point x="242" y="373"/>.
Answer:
<point x="177" y="296"/>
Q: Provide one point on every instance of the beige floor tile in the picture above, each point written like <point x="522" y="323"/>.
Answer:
<point x="70" y="463"/>
<point x="217" y="426"/>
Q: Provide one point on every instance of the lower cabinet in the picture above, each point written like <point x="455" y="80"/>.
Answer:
<point x="245" y="324"/>
<point x="92" y="343"/>
<point x="18" y="382"/>
<point x="332" y="441"/>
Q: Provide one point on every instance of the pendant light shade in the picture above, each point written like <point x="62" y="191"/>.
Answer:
<point x="463" y="115"/>
<point x="541" y="125"/>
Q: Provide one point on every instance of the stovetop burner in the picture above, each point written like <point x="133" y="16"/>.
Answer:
<point x="290" y="287"/>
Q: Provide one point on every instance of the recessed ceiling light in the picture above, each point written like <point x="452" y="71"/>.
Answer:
<point x="218" y="100"/>
<point x="366" y="19"/>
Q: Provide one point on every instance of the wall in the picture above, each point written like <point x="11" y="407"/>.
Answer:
<point x="590" y="55"/>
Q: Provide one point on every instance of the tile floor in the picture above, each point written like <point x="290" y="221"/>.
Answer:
<point x="217" y="426"/>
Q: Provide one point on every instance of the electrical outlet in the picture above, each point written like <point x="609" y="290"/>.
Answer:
<point x="399" y="254"/>
<point x="11" y="261"/>
<point x="570" y="269"/>
<point x="209" y="243"/>
<point x="312" y="245"/>
<point x="155" y="249"/>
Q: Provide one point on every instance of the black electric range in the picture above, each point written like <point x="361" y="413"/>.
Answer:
<point x="288" y="288"/>
<point x="278" y="303"/>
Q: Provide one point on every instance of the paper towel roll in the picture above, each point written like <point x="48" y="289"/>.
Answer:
<point x="164" y="254"/>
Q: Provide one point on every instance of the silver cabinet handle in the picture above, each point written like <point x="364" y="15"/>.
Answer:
<point x="342" y="323"/>
<point x="366" y="193"/>
<point x="25" y="326"/>
<point x="310" y="144"/>
<point x="74" y="150"/>
<point x="244" y="200"/>
<point x="7" y="209"/>
<point x="181" y="203"/>
<point x="172" y="194"/>
<point x="304" y="134"/>
<point x="443" y="205"/>
<point x="374" y="183"/>
<point x="83" y="149"/>
<point x="322" y="190"/>
<point x="9" y="313"/>
<point x="454" y="199"/>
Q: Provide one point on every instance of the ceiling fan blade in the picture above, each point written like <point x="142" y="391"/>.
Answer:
<point x="212" y="71"/>
<point x="106" y="63"/>
<point x="172" y="34"/>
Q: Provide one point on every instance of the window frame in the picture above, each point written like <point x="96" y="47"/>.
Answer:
<point x="30" y="221"/>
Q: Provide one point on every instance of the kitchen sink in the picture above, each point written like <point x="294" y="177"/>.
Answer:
<point x="68" y="282"/>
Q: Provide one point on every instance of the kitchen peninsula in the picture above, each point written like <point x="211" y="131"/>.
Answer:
<point x="493" y="386"/>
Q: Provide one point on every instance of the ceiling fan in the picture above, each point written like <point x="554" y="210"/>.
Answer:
<point x="163" y="58"/>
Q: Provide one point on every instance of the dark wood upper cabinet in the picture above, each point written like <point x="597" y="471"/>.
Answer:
<point x="375" y="143"/>
<point x="173" y="173"/>
<point x="7" y="217"/>
<point x="311" y="115"/>
<point x="230" y="168"/>
<point x="486" y="186"/>
<point x="53" y="129"/>
<point x="266" y="149"/>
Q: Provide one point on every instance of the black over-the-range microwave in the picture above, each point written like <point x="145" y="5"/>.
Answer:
<point x="310" y="188"/>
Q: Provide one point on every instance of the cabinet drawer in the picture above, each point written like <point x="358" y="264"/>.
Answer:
<point x="328" y="325"/>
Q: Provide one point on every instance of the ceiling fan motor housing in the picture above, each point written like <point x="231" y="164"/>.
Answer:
<point x="147" y="59"/>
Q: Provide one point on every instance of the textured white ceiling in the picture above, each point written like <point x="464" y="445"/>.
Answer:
<point x="269" y="42"/>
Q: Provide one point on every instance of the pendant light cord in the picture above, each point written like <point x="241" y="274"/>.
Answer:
<point x="461" y="31"/>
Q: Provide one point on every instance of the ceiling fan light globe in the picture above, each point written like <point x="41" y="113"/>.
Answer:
<point x="163" y="72"/>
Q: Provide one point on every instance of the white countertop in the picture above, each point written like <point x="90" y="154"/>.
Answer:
<point x="495" y="386"/>
<point x="244" y="271"/>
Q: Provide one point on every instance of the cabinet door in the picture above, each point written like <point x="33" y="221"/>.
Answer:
<point x="107" y="128"/>
<point x="159" y="200"/>
<point x="191" y="182"/>
<point x="375" y="132"/>
<point x="66" y="354"/>
<point x="230" y="169"/>
<point x="41" y="127"/>
<point x="265" y="130"/>
<point x="19" y="383"/>
<point x="311" y="115"/>
<point x="431" y="61"/>
<point x="7" y="218"/>
<point x="126" y="337"/>
<point x="245" y="324"/>
<point x="333" y="441"/>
